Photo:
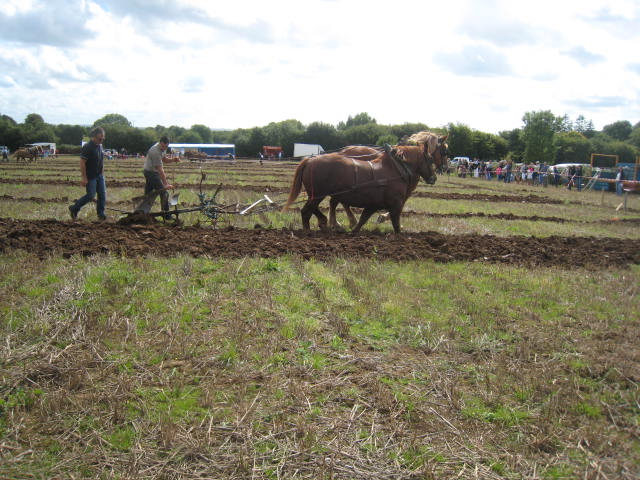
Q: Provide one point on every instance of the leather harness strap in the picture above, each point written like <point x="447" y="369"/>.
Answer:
<point x="401" y="167"/>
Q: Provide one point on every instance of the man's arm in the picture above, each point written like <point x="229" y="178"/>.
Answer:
<point x="163" y="178"/>
<point x="83" y="171"/>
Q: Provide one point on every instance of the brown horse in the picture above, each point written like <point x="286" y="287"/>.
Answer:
<point x="383" y="184"/>
<point x="436" y="144"/>
<point x="30" y="153"/>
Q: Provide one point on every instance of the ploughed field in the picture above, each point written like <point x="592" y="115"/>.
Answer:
<point x="582" y="228"/>
<point x="496" y="337"/>
<point x="44" y="237"/>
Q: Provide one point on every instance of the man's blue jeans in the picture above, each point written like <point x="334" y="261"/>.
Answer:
<point x="94" y="185"/>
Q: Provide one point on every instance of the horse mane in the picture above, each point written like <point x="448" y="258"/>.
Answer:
<point x="428" y="138"/>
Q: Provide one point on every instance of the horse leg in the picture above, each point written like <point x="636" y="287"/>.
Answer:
<point x="333" y="222"/>
<point x="366" y="215"/>
<point x="322" y="218"/>
<point x="306" y="213"/>
<point x="352" y="217"/>
<point x="312" y="208"/>
<point x="395" y="220"/>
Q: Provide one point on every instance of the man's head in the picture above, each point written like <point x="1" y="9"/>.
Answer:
<point x="164" y="142"/>
<point x="97" y="135"/>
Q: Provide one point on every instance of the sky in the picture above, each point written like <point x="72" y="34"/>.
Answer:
<point x="246" y="63"/>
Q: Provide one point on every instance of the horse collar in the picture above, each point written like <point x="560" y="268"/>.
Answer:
<point x="401" y="167"/>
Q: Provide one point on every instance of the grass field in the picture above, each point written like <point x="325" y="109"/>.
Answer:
<point x="352" y="368"/>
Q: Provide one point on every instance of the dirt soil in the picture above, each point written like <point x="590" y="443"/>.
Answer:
<point x="47" y="237"/>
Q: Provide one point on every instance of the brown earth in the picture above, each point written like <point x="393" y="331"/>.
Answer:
<point x="282" y="190"/>
<point x="46" y="237"/>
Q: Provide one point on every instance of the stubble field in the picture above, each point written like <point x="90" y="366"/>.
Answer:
<point x="496" y="337"/>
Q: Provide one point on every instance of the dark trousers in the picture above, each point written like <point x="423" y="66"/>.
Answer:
<point x="153" y="182"/>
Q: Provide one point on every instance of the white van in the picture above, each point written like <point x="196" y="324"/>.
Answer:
<point x="458" y="160"/>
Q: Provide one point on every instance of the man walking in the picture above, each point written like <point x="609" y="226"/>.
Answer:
<point x="154" y="174"/>
<point x="91" y="170"/>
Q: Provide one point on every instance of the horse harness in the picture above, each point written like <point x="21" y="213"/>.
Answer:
<point x="401" y="167"/>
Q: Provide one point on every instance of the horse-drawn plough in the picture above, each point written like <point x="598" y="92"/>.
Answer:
<point x="209" y="206"/>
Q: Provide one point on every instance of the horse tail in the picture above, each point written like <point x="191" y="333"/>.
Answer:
<point x="296" y="184"/>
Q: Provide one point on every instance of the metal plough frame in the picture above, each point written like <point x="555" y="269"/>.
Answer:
<point x="208" y="205"/>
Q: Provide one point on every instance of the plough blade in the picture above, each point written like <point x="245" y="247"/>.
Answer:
<point x="144" y="203"/>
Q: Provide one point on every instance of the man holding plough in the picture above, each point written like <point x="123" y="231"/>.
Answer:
<point x="156" y="179"/>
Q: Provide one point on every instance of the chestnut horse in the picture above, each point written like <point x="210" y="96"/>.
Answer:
<point x="30" y="153"/>
<point x="383" y="184"/>
<point x="435" y="143"/>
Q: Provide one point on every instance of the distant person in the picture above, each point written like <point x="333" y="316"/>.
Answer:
<point x="579" y="177"/>
<point x="619" y="179"/>
<point x="5" y="155"/>
<point x="507" y="173"/>
<point x="91" y="170"/>
<point x="572" y="176"/>
<point x="154" y="174"/>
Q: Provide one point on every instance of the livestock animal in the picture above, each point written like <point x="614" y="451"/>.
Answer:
<point x="383" y="184"/>
<point x="30" y="153"/>
<point x="435" y="144"/>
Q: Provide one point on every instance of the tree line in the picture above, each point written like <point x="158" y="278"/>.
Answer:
<point x="543" y="137"/>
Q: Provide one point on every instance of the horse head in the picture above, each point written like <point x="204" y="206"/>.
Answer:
<point x="427" y="167"/>
<point x="441" y="153"/>
<point x="421" y="160"/>
<point x="434" y="145"/>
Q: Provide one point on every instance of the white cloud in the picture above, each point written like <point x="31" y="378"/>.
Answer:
<point x="248" y="63"/>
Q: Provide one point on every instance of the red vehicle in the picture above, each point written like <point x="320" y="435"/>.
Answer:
<point x="272" y="152"/>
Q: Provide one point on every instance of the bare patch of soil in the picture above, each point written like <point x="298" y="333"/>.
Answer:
<point x="47" y="237"/>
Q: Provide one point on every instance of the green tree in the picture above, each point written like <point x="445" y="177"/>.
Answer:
<point x="241" y="137"/>
<point x="69" y="134"/>
<point x="408" y="129"/>
<point x="7" y="120"/>
<point x="10" y="133"/>
<point x="618" y="130"/>
<point x="515" y="143"/>
<point x="190" y="136"/>
<point x="323" y="134"/>
<point x="112" y="119"/>
<point x="604" y="144"/>
<point x="139" y="141"/>
<point x="11" y="136"/>
<point x="581" y="125"/>
<point x="366" y="134"/>
<point x="35" y="130"/>
<point x="388" y="138"/>
<point x="117" y="137"/>
<point x="460" y="140"/>
<point x="357" y="120"/>
<point x="257" y="140"/>
<point x="33" y="121"/>
<point x="174" y="131"/>
<point x="539" y="130"/>
<point x="572" y="147"/>
<point x="634" y="137"/>
<point x="203" y="131"/>
<point x="221" y="136"/>
<point x="284" y="134"/>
